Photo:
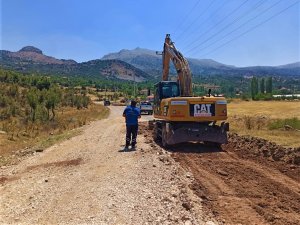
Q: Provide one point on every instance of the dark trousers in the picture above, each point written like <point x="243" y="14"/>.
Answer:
<point x="131" y="133"/>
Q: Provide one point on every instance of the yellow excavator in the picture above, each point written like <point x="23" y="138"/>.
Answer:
<point x="178" y="116"/>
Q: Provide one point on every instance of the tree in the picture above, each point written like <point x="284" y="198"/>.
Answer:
<point x="43" y="83"/>
<point x="254" y="87"/>
<point x="33" y="100"/>
<point x="269" y="85"/>
<point x="52" y="99"/>
<point x="262" y="85"/>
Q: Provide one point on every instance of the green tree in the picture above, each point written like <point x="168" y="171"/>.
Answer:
<point x="52" y="99"/>
<point x="254" y="87"/>
<point x="33" y="101"/>
<point x="262" y="85"/>
<point x="43" y="83"/>
<point x="269" y="85"/>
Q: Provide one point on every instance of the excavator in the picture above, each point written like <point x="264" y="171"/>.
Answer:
<point x="179" y="116"/>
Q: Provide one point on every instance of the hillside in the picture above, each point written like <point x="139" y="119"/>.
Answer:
<point x="139" y="64"/>
<point x="148" y="61"/>
<point x="31" y="59"/>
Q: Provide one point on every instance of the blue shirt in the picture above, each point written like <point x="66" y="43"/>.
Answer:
<point x="132" y="114"/>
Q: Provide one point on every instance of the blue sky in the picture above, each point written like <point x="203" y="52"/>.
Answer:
<point x="89" y="29"/>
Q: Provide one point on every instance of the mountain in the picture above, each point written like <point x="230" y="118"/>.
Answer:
<point x="32" y="59"/>
<point x="148" y="61"/>
<point x="139" y="64"/>
<point x="291" y="65"/>
<point x="144" y="59"/>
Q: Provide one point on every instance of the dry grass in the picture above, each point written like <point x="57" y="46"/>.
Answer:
<point x="43" y="135"/>
<point x="271" y="109"/>
<point x="254" y="117"/>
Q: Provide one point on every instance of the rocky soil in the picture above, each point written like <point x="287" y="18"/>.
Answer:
<point x="89" y="179"/>
<point x="247" y="181"/>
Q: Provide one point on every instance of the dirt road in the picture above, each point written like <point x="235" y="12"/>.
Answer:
<point x="88" y="179"/>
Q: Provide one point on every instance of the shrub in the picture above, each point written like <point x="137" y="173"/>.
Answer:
<point x="248" y="122"/>
<point x="280" y="123"/>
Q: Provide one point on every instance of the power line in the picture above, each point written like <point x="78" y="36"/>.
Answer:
<point x="207" y="18"/>
<point x="201" y="14"/>
<point x="234" y="29"/>
<point x="232" y="12"/>
<point x="187" y="15"/>
<point x="228" y="25"/>
<point x="252" y="28"/>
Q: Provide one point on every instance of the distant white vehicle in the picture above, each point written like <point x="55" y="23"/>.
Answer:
<point x="287" y="96"/>
<point x="146" y="107"/>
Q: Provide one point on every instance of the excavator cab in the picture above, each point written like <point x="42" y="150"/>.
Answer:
<point x="164" y="90"/>
<point x="167" y="89"/>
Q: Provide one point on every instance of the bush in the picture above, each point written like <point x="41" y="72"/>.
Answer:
<point x="280" y="123"/>
<point x="248" y="122"/>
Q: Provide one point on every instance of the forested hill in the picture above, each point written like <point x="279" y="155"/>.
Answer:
<point x="148" y="61"/>
<point x="139" y="64"/>
<point x="31" y="59"/>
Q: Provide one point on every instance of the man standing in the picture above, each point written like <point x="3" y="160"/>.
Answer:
<point x="131" y="114"/>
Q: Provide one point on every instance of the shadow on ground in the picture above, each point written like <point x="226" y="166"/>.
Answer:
<point x="192" y="147"/>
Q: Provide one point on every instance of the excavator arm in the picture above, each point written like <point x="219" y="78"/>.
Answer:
<point x="181" y="117"/>
<point x="181" y="65"/>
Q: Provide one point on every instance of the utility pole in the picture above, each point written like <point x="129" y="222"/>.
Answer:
<point x="134" y="88"/>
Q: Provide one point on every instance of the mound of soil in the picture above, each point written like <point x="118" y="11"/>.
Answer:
<point x="247" y="181"/>
<point x="259" y="147"/>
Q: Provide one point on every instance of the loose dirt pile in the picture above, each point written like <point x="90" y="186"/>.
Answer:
<point x="256" y="147"/>
<point x="248" y="181"/>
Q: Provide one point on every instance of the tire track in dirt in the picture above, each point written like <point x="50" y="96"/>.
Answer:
<point x="247" y="181"/>
<point x="89" y="179"/>
<point x="239" y="190"/>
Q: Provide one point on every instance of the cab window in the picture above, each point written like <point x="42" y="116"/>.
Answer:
<point x="170" y="90"/>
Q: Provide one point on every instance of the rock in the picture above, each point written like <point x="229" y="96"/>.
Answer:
<point x="292" y="166"/>
<point x="163" y="158"/>
<point x="188" y="175"/>
<point x="31" y="49"/>
<point x="223" y="173"/>
<point x="46" y="180"/>
<point x="39" y="150"/>
<point x="2" y="132"/>
<point x="210" y="223"/>
<point x="187" y="205"/>
<point x="188" y="222"/>
<point x="297" y="160"/>
<point x="288" y="127"/>
<point x="174" y="195"/>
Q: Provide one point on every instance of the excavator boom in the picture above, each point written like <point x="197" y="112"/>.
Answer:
<point x="179" y="117"/>
<point x="181" y="65"/>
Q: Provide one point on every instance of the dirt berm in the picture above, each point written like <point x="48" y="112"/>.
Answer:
<point x="247" y="181"/>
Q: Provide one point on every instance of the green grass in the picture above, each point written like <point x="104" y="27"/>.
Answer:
<point x="280" y="123"/>
<point x="57" y="138"/>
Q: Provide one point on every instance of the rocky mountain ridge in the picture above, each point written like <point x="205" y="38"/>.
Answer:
<point x="32" y="59"/>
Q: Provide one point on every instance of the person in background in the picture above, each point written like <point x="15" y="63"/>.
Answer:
<point x="131" y="114"/>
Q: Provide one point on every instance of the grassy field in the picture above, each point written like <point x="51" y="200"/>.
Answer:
<point x="40" y="136"/>
<point x="277" y="121"/>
